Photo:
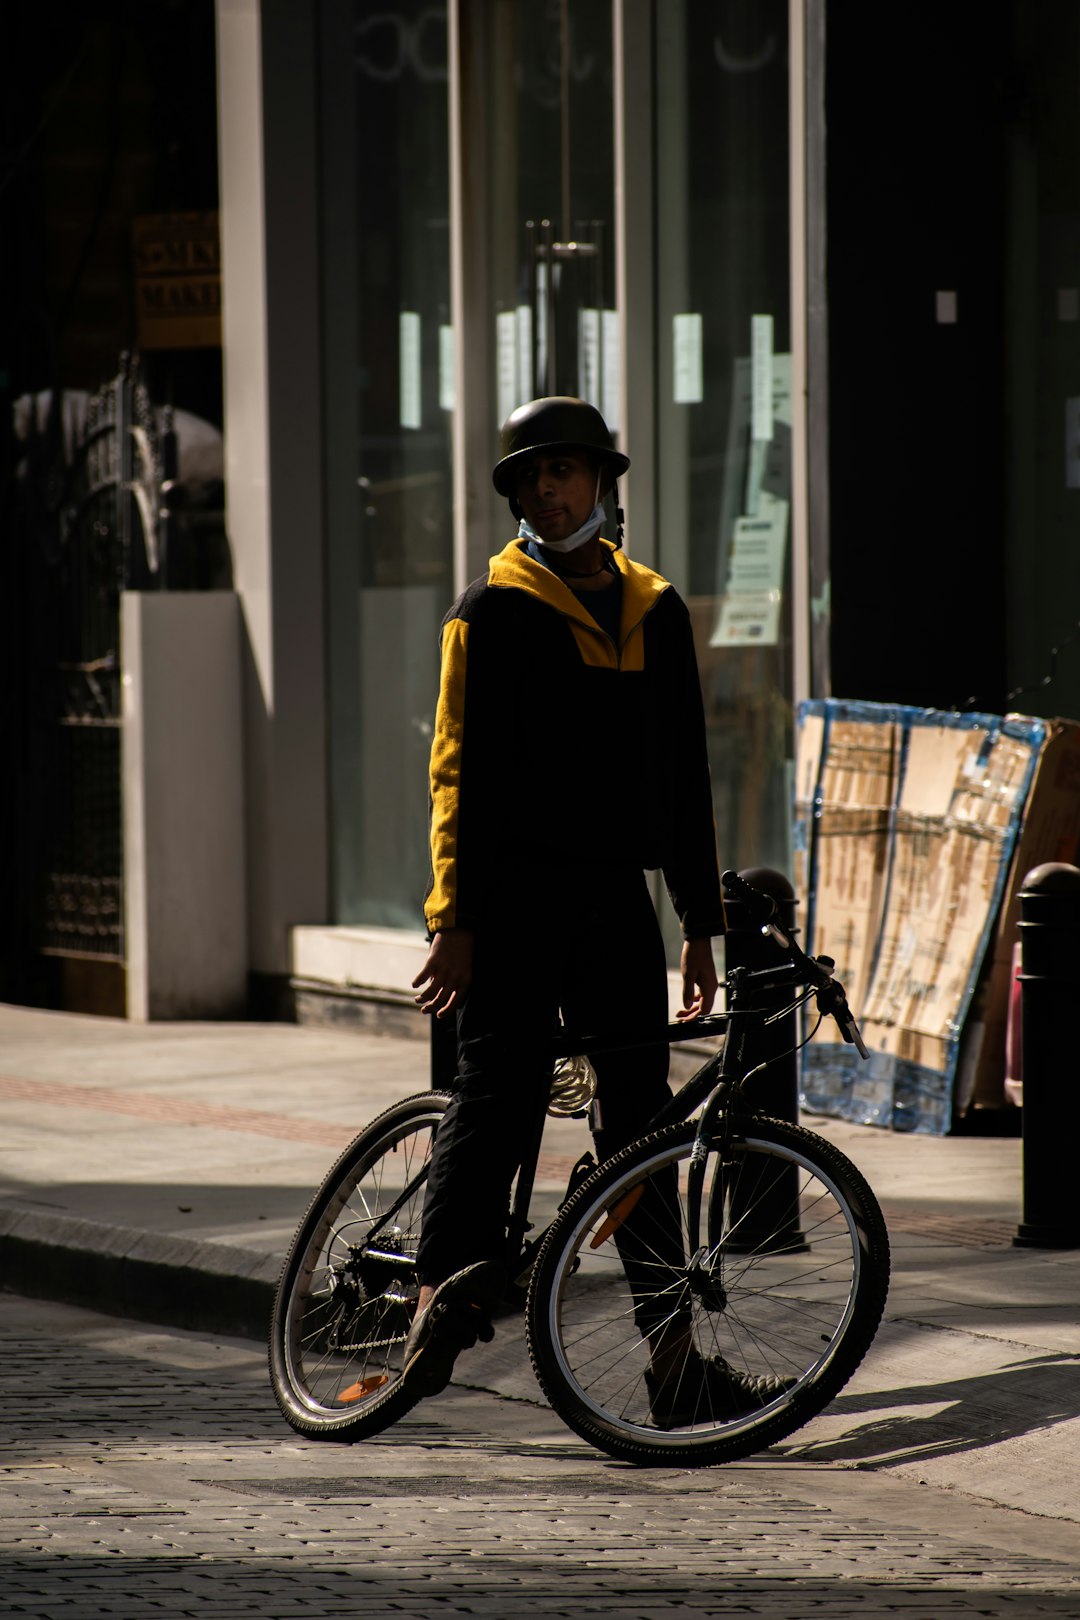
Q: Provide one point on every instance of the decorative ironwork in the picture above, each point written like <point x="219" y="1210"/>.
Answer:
<point x="109" y="528"/>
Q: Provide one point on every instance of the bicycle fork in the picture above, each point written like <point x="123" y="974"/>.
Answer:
<point x="713" y="1134"/>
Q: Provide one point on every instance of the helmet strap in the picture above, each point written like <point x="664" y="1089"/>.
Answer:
<point x="620" y="518"/>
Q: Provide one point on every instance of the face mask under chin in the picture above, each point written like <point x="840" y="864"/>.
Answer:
<point x="579" y="537"/>
<point x="591" y="526"/>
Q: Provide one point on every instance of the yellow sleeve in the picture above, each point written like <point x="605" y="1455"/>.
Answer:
<point x="441" y="908"/>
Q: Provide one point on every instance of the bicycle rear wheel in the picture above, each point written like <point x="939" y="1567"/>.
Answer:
<point x="789" y="1282"/>
<point x="347" y="1292"/>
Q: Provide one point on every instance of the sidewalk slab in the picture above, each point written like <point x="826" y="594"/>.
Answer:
<point x="160" y="1170"/>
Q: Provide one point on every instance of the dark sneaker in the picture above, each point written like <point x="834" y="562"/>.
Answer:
<point x="458" y="1315"/>
<point x="708" y="1391"/>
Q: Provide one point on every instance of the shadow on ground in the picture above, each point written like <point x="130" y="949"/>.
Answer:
<point x="968" y="1413"/>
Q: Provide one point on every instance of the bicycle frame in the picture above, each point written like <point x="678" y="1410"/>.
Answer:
<point x="719" y="1080"/>
<point x="718" y="1084"/>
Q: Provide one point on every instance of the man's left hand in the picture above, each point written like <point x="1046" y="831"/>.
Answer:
<point x="699" y="981"/>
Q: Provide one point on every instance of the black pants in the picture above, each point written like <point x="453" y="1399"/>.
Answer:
<point x="594" y="954"/>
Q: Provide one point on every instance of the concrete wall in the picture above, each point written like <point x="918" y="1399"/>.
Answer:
<point x="182" y="752"/>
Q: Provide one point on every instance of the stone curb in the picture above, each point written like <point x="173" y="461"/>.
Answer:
<point x="150" y="1277"/>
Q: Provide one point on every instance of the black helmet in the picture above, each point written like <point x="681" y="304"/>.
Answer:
<point x="559" y="422"/>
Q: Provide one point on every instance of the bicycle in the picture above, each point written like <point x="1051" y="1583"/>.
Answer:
<point x="784" y="1266"/>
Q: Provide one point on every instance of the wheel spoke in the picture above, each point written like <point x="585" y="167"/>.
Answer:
<point x="789" y="1287"/>
<point x="348" y="1290"/>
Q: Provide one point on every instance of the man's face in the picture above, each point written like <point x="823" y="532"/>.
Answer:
<point x="557" y="492"/>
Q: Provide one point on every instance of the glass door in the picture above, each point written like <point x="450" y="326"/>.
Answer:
<point x="724" y="394"/>
<point x="550" y="189"/>
<point x="413" y="393"/>
<point x="705" y="172"/>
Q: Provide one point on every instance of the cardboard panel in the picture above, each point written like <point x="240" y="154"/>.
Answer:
<point x="909" y="864"/>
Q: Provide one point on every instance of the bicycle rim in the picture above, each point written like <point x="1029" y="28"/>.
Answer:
<point x="348" y="1288"/>
<point x="790" y="1284"/>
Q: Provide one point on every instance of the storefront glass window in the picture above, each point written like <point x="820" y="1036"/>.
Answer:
<point x="724" y="392"/>
<point x="388" y="411"/>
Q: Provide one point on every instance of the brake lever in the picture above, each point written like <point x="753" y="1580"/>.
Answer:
<point x="832" y="1000"/>
<point x="849" y="1029"/>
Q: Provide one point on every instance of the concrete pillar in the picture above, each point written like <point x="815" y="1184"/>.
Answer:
<point x="182" y="771"/>
<point x="268" y="127"/>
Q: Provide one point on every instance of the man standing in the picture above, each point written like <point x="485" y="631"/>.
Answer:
<point x="569" y="757"/>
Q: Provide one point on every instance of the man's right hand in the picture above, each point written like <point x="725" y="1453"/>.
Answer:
<point x="446" y="973"/>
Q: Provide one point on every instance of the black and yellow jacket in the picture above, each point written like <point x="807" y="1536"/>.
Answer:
<point x="550" y="739"/>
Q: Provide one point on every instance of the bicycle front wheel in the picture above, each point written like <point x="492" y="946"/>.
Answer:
<point x="787" y="1282"/>
<point x="347" y="1293"/>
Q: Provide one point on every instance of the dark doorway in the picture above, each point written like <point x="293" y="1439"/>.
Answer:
<point x="915" y="104"/>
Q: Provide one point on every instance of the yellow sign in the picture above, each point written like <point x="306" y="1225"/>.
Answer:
<point x="178" y="281"/>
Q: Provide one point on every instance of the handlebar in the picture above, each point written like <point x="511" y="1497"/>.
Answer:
<point x="816" y="971"/>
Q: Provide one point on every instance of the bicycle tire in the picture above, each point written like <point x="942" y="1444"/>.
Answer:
<point x="341" y="1312"/>
<point x="802" y="1303"/>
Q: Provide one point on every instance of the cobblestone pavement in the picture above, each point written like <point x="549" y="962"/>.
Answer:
<point x="146" y="1473"/>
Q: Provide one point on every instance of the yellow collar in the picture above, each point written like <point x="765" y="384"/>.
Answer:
<point x="641" y="590"/>
<point x="513" y="567"/>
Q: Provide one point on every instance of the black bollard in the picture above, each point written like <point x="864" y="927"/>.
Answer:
<point x="764" y="1217"/>
<point x="776" y="1090"/>
<point x="1049" y="991"/>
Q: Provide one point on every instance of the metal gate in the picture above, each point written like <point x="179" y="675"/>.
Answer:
<point x="108" y="537"/>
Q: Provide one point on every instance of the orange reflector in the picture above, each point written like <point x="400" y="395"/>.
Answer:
<point x="361" y="1391"/>
<point x="616" y="1216"/>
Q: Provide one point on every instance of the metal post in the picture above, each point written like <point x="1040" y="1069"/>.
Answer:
<point x="764" y="1217"/>
<point x="776" y="1091"/>
<point x="1050" y="989"/>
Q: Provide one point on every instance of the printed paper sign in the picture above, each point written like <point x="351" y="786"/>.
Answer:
<point x="446" y="368"/>
<point x="612" y="376"/>
<point x="687" y="336"/>
<point x="506" y="368"/>
<point x="409" y="348"/>
<point x="761" y="378"/>
<point x="589" y="355"/>
<point x="750" y="614"/>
